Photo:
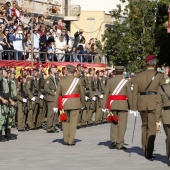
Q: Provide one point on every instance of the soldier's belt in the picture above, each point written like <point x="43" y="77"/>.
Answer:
<point x="60" y="99"/>
<point x="166" y="107"/>
<point x="35" y="94"/>
<point x="115" y="97"/>
<point x="148" y="93"/>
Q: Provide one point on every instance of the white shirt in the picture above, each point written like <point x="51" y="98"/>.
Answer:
<point x="18" y="43"/>
<point x="36" y="41"/>
<point x="60" y="45"/>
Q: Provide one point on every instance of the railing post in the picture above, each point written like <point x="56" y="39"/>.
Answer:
<point x="0" y="55"/>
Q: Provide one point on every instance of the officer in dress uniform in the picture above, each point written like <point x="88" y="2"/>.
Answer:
<point x="50" y="88"/>
<point x="145" y="90"/>
<point x="71" y="93"/>
<point x="117" y="102"/>
<point x="163" y="113"/>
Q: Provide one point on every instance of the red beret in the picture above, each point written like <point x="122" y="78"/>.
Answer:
<point x="149" y="57"/>
<point x="97" y="71"/>
<point x="22" y="70"/>
<point x="19" y="78"/>
<point x="169" y="73"/>
<point x="63" y="68"/>
<point x="101" y="71"/>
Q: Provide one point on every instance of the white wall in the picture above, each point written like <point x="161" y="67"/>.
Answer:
<point x="96" y="5"/>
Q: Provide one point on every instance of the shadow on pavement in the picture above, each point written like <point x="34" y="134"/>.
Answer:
<point x="62" y="141"/>
<point x="136" y="150"/>
<point x="107" y="143"/>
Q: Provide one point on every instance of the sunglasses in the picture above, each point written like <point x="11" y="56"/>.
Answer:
<point x="6" y="30"/>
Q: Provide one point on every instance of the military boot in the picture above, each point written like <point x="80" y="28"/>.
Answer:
<point x="2" y="139"/>
<point x="8" y="135"/>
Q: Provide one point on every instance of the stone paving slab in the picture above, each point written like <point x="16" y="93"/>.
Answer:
<point x="37" y="150"/>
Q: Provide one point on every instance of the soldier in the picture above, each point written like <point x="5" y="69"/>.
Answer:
<point x="100" y="116"/>
<point x="82" y="118"/>
<point x="115" y="98"/>
<point x="163" y="103"/>
<point x="50" y="88"/>
<point x="92" y="95"/>
<point x="144" y="100"/>
<point x="13" y="72"/>
<point x="71" y="94"/>
<point x="2" y="103"/>
<point x="6" y="108"/>
<point x="12" y="82"/>
<point x="63" y="72"/>
<point x="23" y="104"/>
<point x="32" y="87"/>
<point x="42" y="101"/>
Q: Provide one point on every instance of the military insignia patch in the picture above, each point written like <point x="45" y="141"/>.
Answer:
<point x="48" y="82"/>
<point x="103" y="82"/>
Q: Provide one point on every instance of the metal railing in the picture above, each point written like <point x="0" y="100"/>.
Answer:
<point x="44" y="56"/>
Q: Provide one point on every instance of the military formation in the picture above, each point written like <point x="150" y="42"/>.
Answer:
<point x="80" y="97"/>
<point x="28" y="102"/>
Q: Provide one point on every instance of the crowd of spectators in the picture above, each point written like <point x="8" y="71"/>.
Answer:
<point x="41" y="42"/>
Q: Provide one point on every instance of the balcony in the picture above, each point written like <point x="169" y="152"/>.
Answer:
<point x="73" y="13"/>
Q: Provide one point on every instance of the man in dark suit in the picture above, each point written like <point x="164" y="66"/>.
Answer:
<point x="77" y="37"/>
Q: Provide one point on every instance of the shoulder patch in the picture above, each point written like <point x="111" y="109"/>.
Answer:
<point x="47" y="81"/>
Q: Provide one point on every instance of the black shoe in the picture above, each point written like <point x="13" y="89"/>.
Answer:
<point x="21" y="130"/>
<point x="168" y="163"/>
<point x="151" y="157"/>
<point x="71" y="144"/>
<point x="2" y="139"/>
<point x="122" y="148"/>
<point x="113" y="145"/>
<point x="33" y="129"/>
<point x="8" y="135"/>
<point x="52" y="131"/>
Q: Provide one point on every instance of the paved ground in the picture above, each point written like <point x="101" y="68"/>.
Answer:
<point x="36" y="150"/>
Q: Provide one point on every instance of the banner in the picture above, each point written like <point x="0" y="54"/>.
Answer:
<point x="28" y="64"/>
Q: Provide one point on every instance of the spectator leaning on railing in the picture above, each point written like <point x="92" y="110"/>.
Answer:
<point x="47" y="40"/>
<point x="17" y="40"/>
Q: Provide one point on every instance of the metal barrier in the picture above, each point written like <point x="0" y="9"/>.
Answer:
<point x="58" y="57"/>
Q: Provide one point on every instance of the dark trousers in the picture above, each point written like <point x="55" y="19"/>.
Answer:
<point x="148" y="131"/>
<point x="17" y="55"/>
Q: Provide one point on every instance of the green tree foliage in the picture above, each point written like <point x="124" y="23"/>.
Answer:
<point x="132" y="37"/>
<point x="162" y="37"/>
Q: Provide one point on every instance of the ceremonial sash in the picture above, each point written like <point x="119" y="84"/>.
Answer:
<point x="64" y="98"/>
<point x="115" y="93"/>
